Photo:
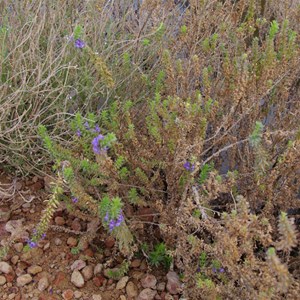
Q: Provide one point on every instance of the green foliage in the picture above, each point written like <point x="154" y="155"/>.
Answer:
<point x="104" y="206"/>
<point x="118" y="273"/>
<point x="183" y="29"/>
<point x="119" y="162"/>
<point x="75" y="250"/>
<point x="116" y="206"/>
<point x="78" y="32"/>
<point x="274" y="28"/>
<point x="204" y="172"/>
<point x="159" y="256"/>
<point x="146" y="42"/>
<point x="46" y="138"/>
<point x="255" y="137"/>
<point x="133" y="196"/>
<point x="202" y="260"/>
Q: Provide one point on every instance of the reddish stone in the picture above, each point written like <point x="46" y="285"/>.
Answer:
<point x="109" y="242"/>
<point x="18" y="297"/>
<point x="59" y="221"/>
<point x="36" y="186"/>
<point x="75" y="225"/>
<point x="45" y="296"/>
<point x="163" y="296"/>
<point x="60" y="279"/>
<point x="68" y="294"/>
<point x="98" y="280"/>
<point x="89" y="252"/>
<point x="10" y="277"/>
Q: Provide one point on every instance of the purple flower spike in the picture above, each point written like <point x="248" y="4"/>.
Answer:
<point x="43" y="235"/>
<point x="74" y="199"/>
<point x="86" y="125"/>
<point x="106" y="218"/>
<point x="79" y="44"/>
<point x="221" y="270"/>
<point x="188" y="166"/>
<point x="78" y="133"/>
<point x="95" y="143"/>
<point x="97" y="128"/>
<point x="112" y="225"/>
<point x="32" y="244"/>
<point x="119" y="220"/>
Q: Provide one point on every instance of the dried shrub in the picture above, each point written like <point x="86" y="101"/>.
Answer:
<point x="204" y="142"/>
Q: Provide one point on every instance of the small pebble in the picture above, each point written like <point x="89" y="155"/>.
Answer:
<point x="68" y="294"/>
<point x="57" y="241"/>
<point x="72" y="242"/>
<point x="14" y="259"/>
<point x="43" y="284"/>
<point x="122" y="283"/>
<point x="149" y="281"/>
<point x="34" y="270"/>
<point x="59" y="221"/>
<point x="77" y="279"/>
<point x="146" y="294"/>
<point x="18" y="247"/>
<point x="5" y="267"/>
<point x="161" y="286"/>
<point x="131" y="290"/>
<point x="2" y="280"/>
<point x="98" y="269"/>
<point x="87" y="272"/>
<point x="24" y="279"/>
<point x="78" y="265"/>
<point x="77" y="294"/>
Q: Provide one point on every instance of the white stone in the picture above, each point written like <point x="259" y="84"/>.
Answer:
<point x="98" y="269"/>
<point x="5" y="267"/>
<point x="2" y="280"/>
<point x="78" y="265"/>
<point x="122" y="283"/>
<point x="77" y="279"/>
<point x="24" y="279"/>
<point x="43" y="284"/>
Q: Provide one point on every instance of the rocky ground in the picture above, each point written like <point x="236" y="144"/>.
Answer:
<point x="53" y="270"/>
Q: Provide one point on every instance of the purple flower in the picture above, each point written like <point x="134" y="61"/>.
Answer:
<point x="95" y="143"/>
<point x="112" y="225"/>
<point x="214" y="270"/>
<point x="32" y="244"/>
<point x="119" y="220"/>
<point x="78" y="133"/>
<point x="106" y="218"/>
<point x="79" y="44"/>
<point x="74" y="199"/>
<point x="43" y="235"/>
<point x="87" y="125"/>
<point x="221" y="270"/>
<point x="97" y="128"/>
<point x="188" y="166"/>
